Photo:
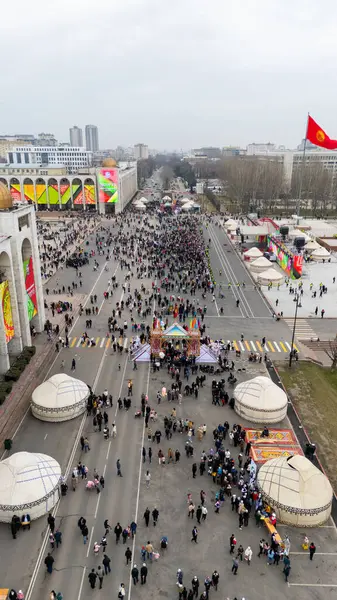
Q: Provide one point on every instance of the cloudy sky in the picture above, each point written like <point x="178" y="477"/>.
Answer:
<point x="177" y="74"/>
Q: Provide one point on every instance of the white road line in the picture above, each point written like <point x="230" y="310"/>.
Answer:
<point x="90" y="541"/>
<point x="102" y="343"/>
<point x="331" y="585"/>
<point x="107" y="454"/>
<point x="287" y="344"/>
<point x="78" y="343"/>
<point x="316" y="553"/>
<point x="104" y="470"/>
<point x="97" y="504"/>
<point x="253" y="345"/>
<point x="81" y="584"/>
<point x="277" y="347"/>
<point x="125" y="345"/>
<point x="242" y="346"/>
<point x="45" y="437"/>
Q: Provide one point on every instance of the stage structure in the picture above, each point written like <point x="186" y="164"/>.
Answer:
<point x="185" y="340"/>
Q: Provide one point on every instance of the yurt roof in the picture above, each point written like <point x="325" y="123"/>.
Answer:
<point x="27" y="479"/>
<point x="261" y="393"/>
<point x="253" y="252"/>
<point x="143" y="199"/>
<point x="184" y="200"/>
<point x="230" y="222"/>
<point x="298" y="233"/>
<point x="60" y="391"/>
<point x="232" y="226"/>
<point x="312" y="245"/>
<point x="295" y="485"/>
<point x="321" y="252"/>
<point x="271" y="275"/>
<point x="167" y="198"/>
<point x="262" y="262"/>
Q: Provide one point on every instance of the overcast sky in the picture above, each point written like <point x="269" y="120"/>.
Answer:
<point x="173" y="74"/>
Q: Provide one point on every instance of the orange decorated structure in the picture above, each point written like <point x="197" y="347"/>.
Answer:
<point x="187" y="341"/>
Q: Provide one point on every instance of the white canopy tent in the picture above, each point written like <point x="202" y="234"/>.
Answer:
<point x="188" y="206"/>
<point x="270" y="276"/>
<point x="230" y="222"/>
<point x="60" y="398"/>
<point x="232" y="227"/>
<point x="144" y="200"/>
<point x="260" y="400"/>
<point x="184" y="200"/>
<point x="253" y="253"/>
<point x="260" y="264"/>
<point x="167" y="198"/>
<point x="312" y="245"/>
<point x="294" y="233"/>
<point x="320" y="254"/>
<point x="300" y="494"/>
<point x="29" y="484"/>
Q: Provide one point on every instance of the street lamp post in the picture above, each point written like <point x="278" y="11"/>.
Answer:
<point x="294" y="330"/>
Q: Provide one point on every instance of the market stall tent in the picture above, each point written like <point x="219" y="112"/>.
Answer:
<point x="60" y="398"/>
<point x="320" y="254"/>
<point x="253" y="253"/>
<point x="259" y="400"/>
<point x="260" y="264"/>
<point x="298" y="492"/>
<point x="270" y="276"/>
<point x="29" y="484"/>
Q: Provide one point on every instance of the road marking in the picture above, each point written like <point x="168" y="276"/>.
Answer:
<point x="78" y="343"/>
<point x="73" y="342"/>
<point x="271" y="346"/>
<point x="288" y="345"/>
<point x="316" y="553"/>
<point x="45" y="437"/>
<point x="247" y="345"/>
<point x="97" y="504"/>
<point x="253" y="346"/>
<point x="259" y="346"/>
<point x="90" y="541"/>
<point x="107" y="454"/>
<point x="81" y="584"/>
<point x="104" y="470"/>
<point x="108" y="343"/>
<point x="332" y="585"/>
<point x="102" y="342"/>
<point x="97" y="340"/>
<point x="283" y="347"/>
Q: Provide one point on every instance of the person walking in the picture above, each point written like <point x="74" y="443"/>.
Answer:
<point x="135" y="574"/>
<point x="128" y="555"/>
<point x="198" y="513"/>
<point x="204" y="511"/>
<point x="248" y="554"/>
<point x="133" y="527"/>
<point x="195" y="586"/>
<point x="85" y="533"/>
<point x="51" y="522"/>
<point x="92" y="579"/>
<point x="235" y="566"/>
<point x="312" y="550"/>
<point x="194" y="470"/>
<point x="100" y="575"/>
<point x="232" y="544"/>
<point x="194" y="535"/>
<point x="144" y="454"/>
<point x="147" y="478"/>
<point x="155" y="515"/>
<point x="121" y="591"/>
<point x="286" y="571"/>
<point x="215" y="579"/>
<point x="147" y="516"/>
<point x="118" y="532"/>
<point x="150" y="455"/>
<point x="73" y="365"/>
<point x="58" y="538"/>
<point x="143" y="574"/>
<point x="106" y="564"/>
<point x="118" y="465"/>
<point x="49" y="561"/>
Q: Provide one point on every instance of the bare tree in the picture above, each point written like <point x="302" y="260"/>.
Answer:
<point x="332" y="353"/>
<point x="166" y="175"/>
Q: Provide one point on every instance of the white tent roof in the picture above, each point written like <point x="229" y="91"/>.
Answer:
<point x="230" y="222"/>
<point x="232" y="227"/>
<point x="253" y="253"/>
<point x="206" y="355"/>
<point x="312" y="245"/>
<point x="27" y="479"/>
<point x="270" y="275"/>
<point x="143" y="199"/>
<point x="167" y="198"/>
<point x="60" y="391"/>
<point x="298" y="233"/>
<point x="187" y="206"/>
<point x="184" y="200"/>
<point x="294" y="484"/>
<point x="261" y="393"/>
<point x="320" y="252"/>
<point x="261" y="262"/>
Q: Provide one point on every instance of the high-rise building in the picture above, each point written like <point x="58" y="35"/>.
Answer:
<point x="76" y="136"/>
<point x="91" y="138"/>
<point x="141" y="151"/>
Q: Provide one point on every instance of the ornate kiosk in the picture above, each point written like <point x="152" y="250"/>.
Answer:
<point x="185" y="340"/>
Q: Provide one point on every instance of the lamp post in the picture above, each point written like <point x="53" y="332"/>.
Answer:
<point x="298" y="303"/>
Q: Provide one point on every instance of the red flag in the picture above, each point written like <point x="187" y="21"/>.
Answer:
<point x="317" y="136"/>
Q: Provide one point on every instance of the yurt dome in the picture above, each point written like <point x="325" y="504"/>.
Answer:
<point x="260" y="400"/>
<point x="184" y="200"/>
<point x="29" y="484"/>
<point x="60" y="398"/>
<point x="312" y="245"/>
<point x="300" y="494"/>
<point x="260" y="264"/>
<point x="270" y="276"/>
<point x="253" y="253"/>
<point x="232" y="227"/>
<point x="294" y="233"/>
<point x="320" y="254"/>
<point x="230" y="222"/>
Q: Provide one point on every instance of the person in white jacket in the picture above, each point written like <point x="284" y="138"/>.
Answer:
<point x="114" y="430"/>
<point x="248" y="554"/>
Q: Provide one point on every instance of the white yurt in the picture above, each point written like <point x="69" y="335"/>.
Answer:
<point x="60" y="398"/>
<point x="261" y="401"/>
<point x="270" y="276"/>
<point x="230" y="222"/>
<point x="188" y="206"/>
<point x="252" y="253"/>
<point x="29" y="484"/>
<point x="320" y="254"/>
<point x="312" y="245"/>
<point x="260" y="264"/>
<point x="297" y="233"/>
<point x="232" y="227"/>
<point x="140" y="206"/>
<point x="298" y="492"/>
<point x="144" y="200"/>
<point x="167" y="198"/>
<point x="185" y="200"/>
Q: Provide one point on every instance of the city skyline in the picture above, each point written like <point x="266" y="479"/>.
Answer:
<point x="176" y="75"/>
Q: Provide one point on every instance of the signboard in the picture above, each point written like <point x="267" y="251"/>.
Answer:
<point x="7" y="311"/>
<point x="28" y="271"/>
<point x="108" y="185"/>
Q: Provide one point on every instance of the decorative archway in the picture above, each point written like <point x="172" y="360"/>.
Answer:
<point x="90" y="194"/>
<point x="53" y="194"/>
<point x="4" y="181"/>
<point x="65" y="193"/>
<point x="7" y="297"/>
<point x="77" y="187"/>
<point x="41" y="193"/>
<point x="28" y="190"/>
<point x="15" y="189"/>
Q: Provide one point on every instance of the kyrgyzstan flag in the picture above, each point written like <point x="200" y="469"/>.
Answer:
<point x="317" y="136"/>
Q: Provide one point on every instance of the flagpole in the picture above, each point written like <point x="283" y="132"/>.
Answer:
<point x="298" y="204"/>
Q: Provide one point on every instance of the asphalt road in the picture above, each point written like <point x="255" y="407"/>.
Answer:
<point x="124" y="499"/>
